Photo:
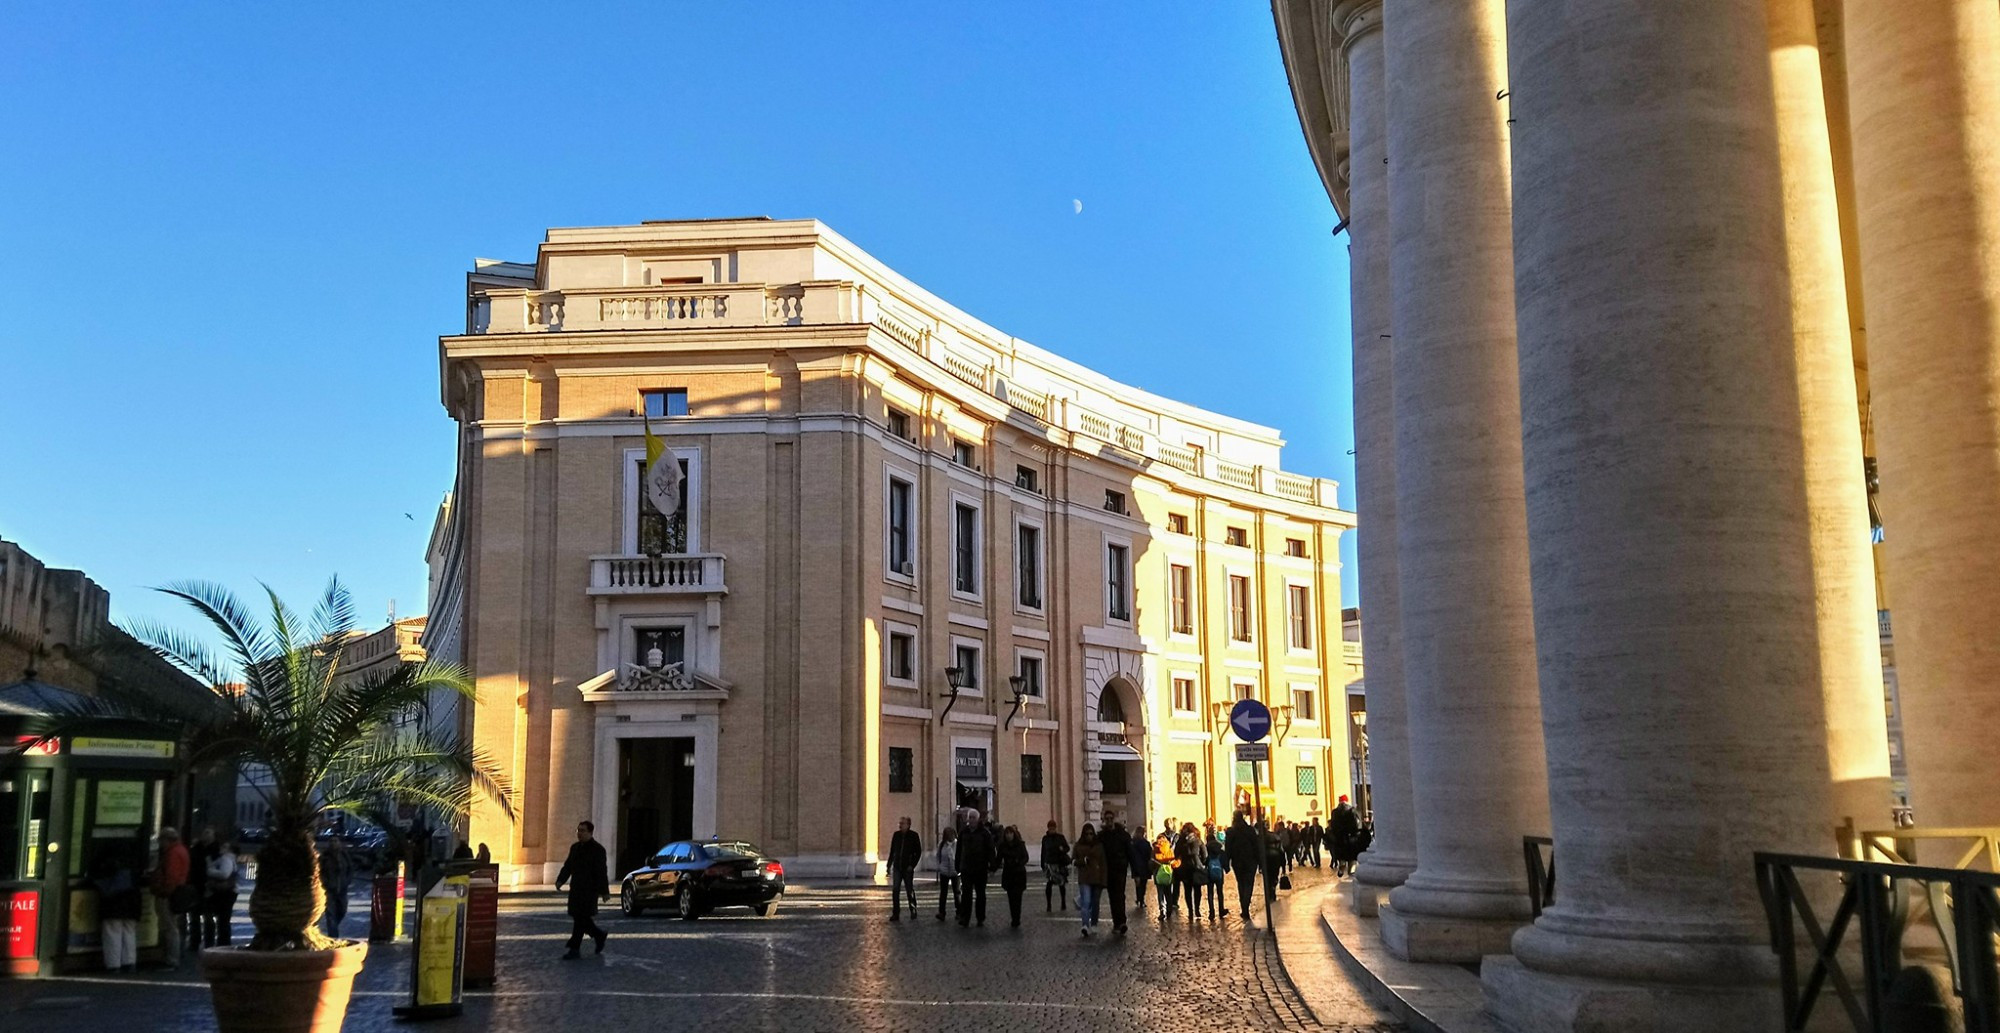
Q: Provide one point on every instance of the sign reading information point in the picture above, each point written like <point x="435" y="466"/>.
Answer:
<point x="1250" y="720"/>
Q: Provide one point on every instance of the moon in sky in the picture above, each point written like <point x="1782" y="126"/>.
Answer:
<point x="1078" y="205"/>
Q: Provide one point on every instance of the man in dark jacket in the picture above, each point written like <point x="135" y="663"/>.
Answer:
<point x="977" y="857"/>
<point x="1343" y="835"/>
<point x="1315" y="835"/>
<point x="584" y="870"/>
<point x="1246" y="855"/>
<point x="1117" y="843"/>
<point x="905" y="850"/>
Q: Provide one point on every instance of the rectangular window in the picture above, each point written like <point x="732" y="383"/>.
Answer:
<point x="1235" y="536"/>
<point x="899" y="425"/>
<point x="963" y="455"/>
<point x="655" y="648"/>
<point x="1295" y="547"/>
<point x="1308" y="780"/>
<point x="1244" y="689"/>
<point x="1031" y="772"/>
<point x="1177" y="523"/>
<point x="666" y="402"/>
<point x="1184" y="779"/>
<point x="1298" y="599"/>
<point x="901" y="553"/>
<point x="966" y="659"/>
<point x="965" y="548"/>
<point x="1027" y="478"/>
<point x="1114" y="501"/>
<point x="1184" y="698"/>
<point x="660" y="535"/>
<point x="1180" y="587"/>
<point x="1031" y="676"/>
<point x="1028" y="557"/>
<point x="1303" y="708"/>
<point x="902" y="769"/>
<point x="1112" y="776"/>
<point x="902" y="656"/>
<point x="1239" y="608"/>
<point x="1118" y="582"/>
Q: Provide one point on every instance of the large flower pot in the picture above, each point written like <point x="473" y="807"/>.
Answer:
<point x="281" y="991"/>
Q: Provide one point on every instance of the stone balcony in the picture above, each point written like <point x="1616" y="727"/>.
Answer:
<point x="660" y="307"/>
<point x="693" y="574"/>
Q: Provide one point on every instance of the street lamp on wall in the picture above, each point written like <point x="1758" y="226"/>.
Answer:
<point x="1281" y="717"/>
<point x="955" y="678"/>
<point x="1020" y="686"/>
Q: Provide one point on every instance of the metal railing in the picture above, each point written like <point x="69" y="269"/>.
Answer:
<point x="1874" y="901"/>
<point x="1541" y="872"/>
<point x="1898" y="845"/>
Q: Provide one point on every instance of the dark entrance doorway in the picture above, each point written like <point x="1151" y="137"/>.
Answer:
<point x="655" y="797"/>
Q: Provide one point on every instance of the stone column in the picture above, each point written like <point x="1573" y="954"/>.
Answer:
<point x="1475" y="722"/>
<point x="1850" y="651"/>
<point x="1667" y="513"/>
<point x="1924" y="86"/>
<point x="1394" y="851"/>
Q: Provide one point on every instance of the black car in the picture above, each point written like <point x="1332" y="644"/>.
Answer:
<point x="695" y="878"/>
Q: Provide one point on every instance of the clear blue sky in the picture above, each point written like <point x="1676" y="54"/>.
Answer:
<point x="233" y="235"/>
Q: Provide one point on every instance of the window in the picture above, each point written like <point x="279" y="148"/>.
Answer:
<point x="655" y="648"/>
<point x="966" y="659"/>
<point x="1184" y="698"/>
<point x="1184" y="780"/>
<point x="1180" y="586"/>
<point x="1027" y="478"/>
<point x="1235" y="536"/>
<point x="1239" y="608"/>
<point x="1249" y="772"/>
<point x="1118" y="581"/>
<point x="671" y="401"/>
<point x="1028" y="558"/>
<point x="965" y="548"/>
<point x="1031" y="675"/>
<point x="902" y="656"/>
<point x="1109" y="710"/>
<point x="1295" y="546"/>
<point x="1114" y="501"/>
<point x="902" y="769"/>
<point x="1308" y="780"/>
<point x="1298" y="600"/>
<point x="1303" y="708"/>
<point x="1112" y="775"/>
<point x="1031" y="772"/>
<point x="663" y="535"/>
<point x="963" y="455"/>
<point x="1177" y="523"/>
<point x="901" y="551"/>
<point x="1244" y="689"/>
<point x="899" y="425"/>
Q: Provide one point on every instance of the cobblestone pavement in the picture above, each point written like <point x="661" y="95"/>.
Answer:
<point x="828" y="959"/>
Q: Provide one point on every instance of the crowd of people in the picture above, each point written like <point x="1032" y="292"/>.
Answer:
<point x="1186" y="865"/>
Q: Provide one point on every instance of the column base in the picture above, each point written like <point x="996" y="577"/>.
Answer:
<point x="1524" y="1000"/>
<point x="1366" y="900"/>
<point x="1441" y="939"/>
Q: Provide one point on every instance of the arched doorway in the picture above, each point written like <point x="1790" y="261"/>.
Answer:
<point x="1118" y="745"/>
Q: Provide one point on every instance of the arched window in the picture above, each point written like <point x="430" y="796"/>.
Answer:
<point x="1109" y="710"/>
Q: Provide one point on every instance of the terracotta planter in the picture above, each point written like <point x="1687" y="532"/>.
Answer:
<point x="281" y="991"/>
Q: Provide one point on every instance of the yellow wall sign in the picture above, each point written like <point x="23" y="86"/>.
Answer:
<point x="441" y="944"/>
<point x="98" y="746"/>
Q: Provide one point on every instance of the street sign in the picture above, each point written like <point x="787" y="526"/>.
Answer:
<point x="1250" y="719"/>
<point x="1253" y="751"/>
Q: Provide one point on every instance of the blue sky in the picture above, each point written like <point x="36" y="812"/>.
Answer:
<point x="232" y="236"/>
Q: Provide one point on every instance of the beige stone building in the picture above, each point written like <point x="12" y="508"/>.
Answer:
<point x="920" y="562"/>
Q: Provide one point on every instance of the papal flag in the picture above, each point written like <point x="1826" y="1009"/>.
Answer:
<point x="663" y="475"/>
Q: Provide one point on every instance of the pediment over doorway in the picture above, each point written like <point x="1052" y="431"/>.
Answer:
<point x="636" y="682"/>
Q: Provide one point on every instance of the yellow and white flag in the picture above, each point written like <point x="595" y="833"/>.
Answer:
<point x="663" y="475"/>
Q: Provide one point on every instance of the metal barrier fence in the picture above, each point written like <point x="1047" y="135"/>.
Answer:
<point x="1541" y="872"/>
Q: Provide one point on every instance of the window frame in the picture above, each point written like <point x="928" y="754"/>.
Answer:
<point x="1033" y="476"/>
<point x="1175" y="680"/>
<point x="1311" y="693"/>
<point x="1040" y="554"/>
<point x="897" y="416"/>
<point x="973" y="551"/>
<point x="666" y="396"/>
<point x="1118" y="590"/>
<point x="890" y="632"/>
<point x="1236" y="537"/>
<point x="909" y="771"/>
<point x="1180" y="599"/>
<point x="1187" y="778"/>
<point x="964" y="453"/>
<point x="1298" y="620"/>
<point x="1243" y="630"/>
<point x="1040" y="782"/>
<point x="628" y="541"/>
<point x="1040" y="657"/>
<point x="892" y="476"/>
<point x="961" y="643"/>
<point x="1118" y="502"/>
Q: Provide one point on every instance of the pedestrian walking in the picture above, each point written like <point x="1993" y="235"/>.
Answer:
<point x="589" y="882"/>
<point x="947" y="868"/>
<point x="977" y="852"/>
<point x="1090" y="875"/>
<point x="905" y="850"/>
<point x="1116" y="842"/>
<point x="1190" y="868"/>
<point x="119" y="903"/>
<point x="221" y="880"/>
<point x="1315" y="837"/>
<point x="173" y="895"/>
<point x="1013" y="870"/>
<point x="1245" y="857"/>
<point x="1139" y="861"/>
<point x="1274" y="868"/>
<point x="1344" y="830"/>
<point x="1167" y="884"/>
<point x="1055" y="869"/>
<point x="1216" y="869"/>
<point x="336" y="874"/>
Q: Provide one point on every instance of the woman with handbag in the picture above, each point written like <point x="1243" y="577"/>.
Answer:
<point x="1190" y="869"/>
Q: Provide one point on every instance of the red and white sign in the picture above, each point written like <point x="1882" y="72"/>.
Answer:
<point x="46" y="748"/>
<point x="23" y="923"/>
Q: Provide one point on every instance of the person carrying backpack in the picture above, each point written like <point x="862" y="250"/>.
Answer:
<point x="1190" y="869"/>
<point x="1164" y="861"/>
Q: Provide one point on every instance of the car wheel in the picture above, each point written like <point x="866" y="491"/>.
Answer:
<point x="767" y="909"/>
<point x="689" y="909"/>
<point x="628" y="902"/>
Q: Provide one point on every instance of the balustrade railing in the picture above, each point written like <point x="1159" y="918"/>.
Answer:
<point x="1234" y="473"/>
<point x="641" y="574"/>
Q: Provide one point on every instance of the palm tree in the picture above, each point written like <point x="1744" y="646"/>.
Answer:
<point x="329" y="740"/>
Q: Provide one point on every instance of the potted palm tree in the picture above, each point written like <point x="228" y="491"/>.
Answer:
<point x="331" y="742"/>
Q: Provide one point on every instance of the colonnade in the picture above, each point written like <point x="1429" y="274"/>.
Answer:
<point x="1615" y="556"/>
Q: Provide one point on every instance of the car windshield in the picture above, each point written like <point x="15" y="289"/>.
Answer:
<point x="729" y="851"/>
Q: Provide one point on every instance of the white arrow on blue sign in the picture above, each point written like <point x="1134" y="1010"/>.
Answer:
<point x="1250" y="719"/>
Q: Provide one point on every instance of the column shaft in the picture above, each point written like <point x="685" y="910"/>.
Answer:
<point x="1394" y="851"/>
<point x="1924" y="87"/>
<point x="1475" y="730"/>
<point x="1667" y="510"/>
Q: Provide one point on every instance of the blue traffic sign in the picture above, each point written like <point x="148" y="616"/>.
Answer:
<point x="1250" y="719"/>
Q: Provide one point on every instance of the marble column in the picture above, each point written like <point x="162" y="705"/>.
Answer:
<point x="1674" y="597"/>
<point x="1924" y="89"/>
<point x="1850" y="651"/>
<point x="1394" y="851"/>
<point x="1469" y="672"/>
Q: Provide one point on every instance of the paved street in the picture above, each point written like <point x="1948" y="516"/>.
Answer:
<point x="828" y="960"/>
